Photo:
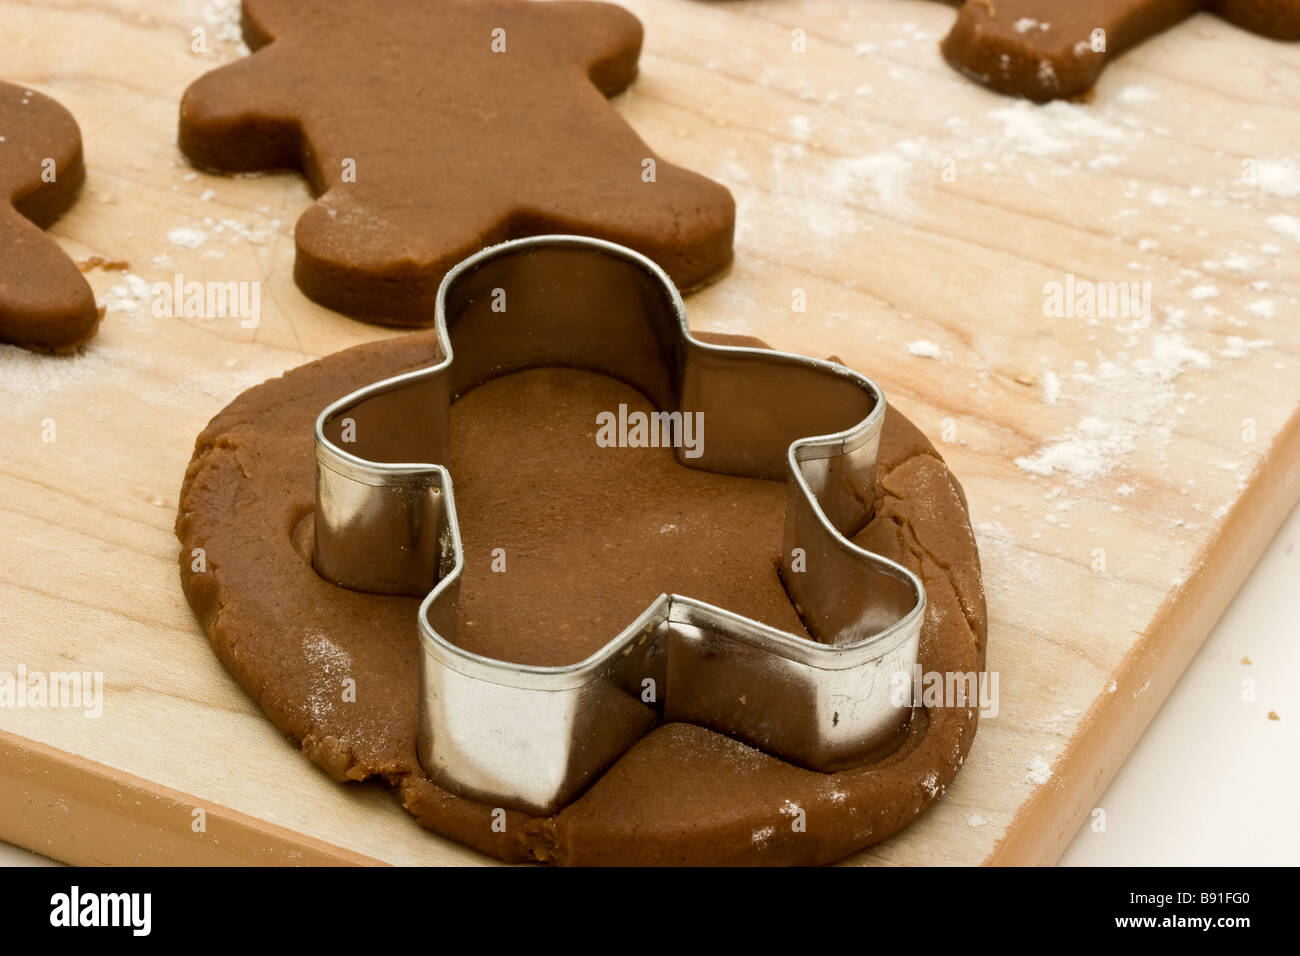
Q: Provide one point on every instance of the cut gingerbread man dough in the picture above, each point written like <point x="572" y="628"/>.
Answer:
<point x="432" y="128"/>
<point x="1046" y="49"/>
<point x="45" y="303"/>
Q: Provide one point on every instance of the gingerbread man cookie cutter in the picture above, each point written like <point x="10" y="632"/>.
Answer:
<point x="532" y="737"/>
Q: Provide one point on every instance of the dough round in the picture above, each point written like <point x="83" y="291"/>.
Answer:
<point x="579" y="530"/>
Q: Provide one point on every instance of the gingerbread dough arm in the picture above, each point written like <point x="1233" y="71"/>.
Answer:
<point x="45" y="302"/>
<point x="604" y="39"/>
<point x="233" y="119"/>
<point x="1043" y="49"/>
<point x="698" y="213"/>
<point x="392" y="278"/>
<point x="262" y="21"/>
<point x="1279" y="19"/>
<point x="682" y="220"/>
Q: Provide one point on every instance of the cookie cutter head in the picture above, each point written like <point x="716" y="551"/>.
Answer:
<point x="533" y="737"/>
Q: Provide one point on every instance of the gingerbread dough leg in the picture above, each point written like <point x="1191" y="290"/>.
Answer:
<point x="45" y="303"/>
<point x="236" y="120"/>
<point x="677" y="217"/>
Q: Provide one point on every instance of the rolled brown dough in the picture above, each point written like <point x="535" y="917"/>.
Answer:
<point x="590" y="537"/>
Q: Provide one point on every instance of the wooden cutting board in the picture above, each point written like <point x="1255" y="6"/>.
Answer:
<point x="1124" y="474"/>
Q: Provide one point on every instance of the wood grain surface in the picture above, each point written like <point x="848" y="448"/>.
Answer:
<point x="1124" y="472"/>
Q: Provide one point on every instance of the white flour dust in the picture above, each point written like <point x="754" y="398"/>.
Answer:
<point x="329" y="666"/>
<point x="1129" y="397"/>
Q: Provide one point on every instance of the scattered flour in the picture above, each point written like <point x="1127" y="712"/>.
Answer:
<point x="1284" y="225"/>
<point x="1091" y="449"/>
<point x="1278" y="177"/>
<point x="831" y="203"/>
<point x="236" y="231"/>
<point x="1237" y="347"/>
<point x="924" y="348"/>
<point x="1040" y="771"/>
<point x="184" y="237"/>
<point x="801" y="127"/>
<point x="327" y="665"/>
<point x="975" y="821"/>
<point x="1128" y="400"/>
<point x="1054" y="722"/>
<point x="884" y="174"/>
<point x="1051" y="388"/>
<point x="1054" y="128"/>
<point x="222" y="18"/>
<point x="130" y="296"/>
<point x="1047" y="77"/>
<point x="1136" y="94"/>
<point x="27" y="378"/>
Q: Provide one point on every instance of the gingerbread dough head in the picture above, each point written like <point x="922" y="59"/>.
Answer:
<point x="431" y="128"/>
<point x="45" y="303"/>
<point x="1046" y="49"/>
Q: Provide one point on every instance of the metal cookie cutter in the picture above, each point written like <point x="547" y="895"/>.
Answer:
<point x="533" y="737"/>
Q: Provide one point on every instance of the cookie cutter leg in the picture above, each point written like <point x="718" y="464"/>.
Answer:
<point x="534" y="737"/>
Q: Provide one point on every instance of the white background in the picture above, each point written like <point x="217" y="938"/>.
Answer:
<point x="1214" y="781"/>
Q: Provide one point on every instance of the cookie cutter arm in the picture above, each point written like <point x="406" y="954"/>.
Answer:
<point x="534" y="737"/>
